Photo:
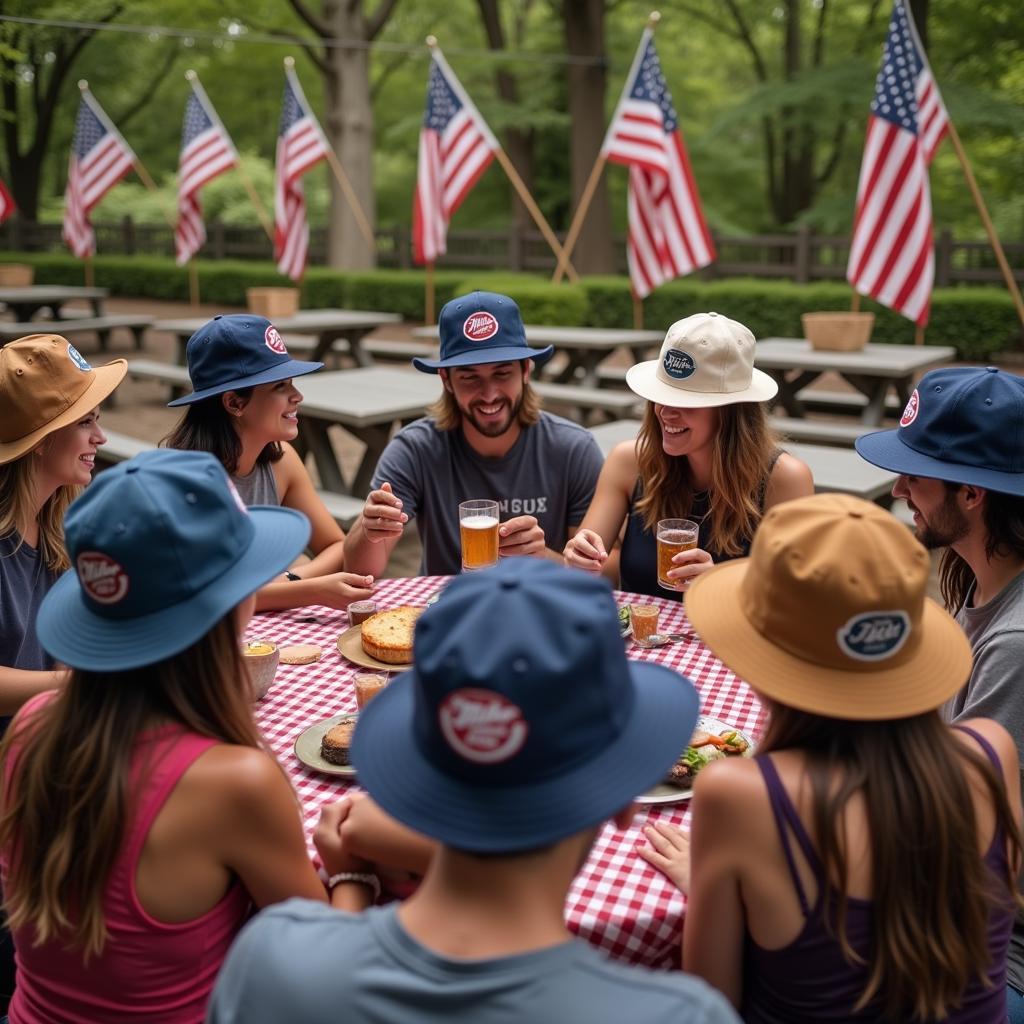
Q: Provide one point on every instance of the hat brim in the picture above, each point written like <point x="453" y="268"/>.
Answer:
<point x="282" y="371"/>
<point x="508" y="354"/>
<point x="105" y="380"/>
<point x="74" y="634"/>
<point x="510" y="818"/>
<point x="643" y="380"/>
<point x="938" y="669"/>
<point x="886" y="449"/>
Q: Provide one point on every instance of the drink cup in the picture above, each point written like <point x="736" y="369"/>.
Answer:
<point x="368" y="685"/>
<point x="645" y="620"/>
<point x="674" y="535"/>
<point x="359" y="611"/>
<point x="478" y="525"/>
<point x="261" y="657"/>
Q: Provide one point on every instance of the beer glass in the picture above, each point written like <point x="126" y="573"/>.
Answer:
<point x="368" y="685"/>
<point x="478" y="524"/>
<point x="674" y="535"/>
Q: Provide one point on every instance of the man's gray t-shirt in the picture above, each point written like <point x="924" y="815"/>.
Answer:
<point x="550" y="472"/>
<point x="303" y="961"/>
<point x="995" y="690"/>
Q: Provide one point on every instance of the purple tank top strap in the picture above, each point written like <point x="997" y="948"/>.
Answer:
<point x="984" y="744"/>
<point x="786" y="821"/>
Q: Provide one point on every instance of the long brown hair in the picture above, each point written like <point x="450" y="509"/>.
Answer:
<point x="931" y="892"/>
<point x="17" y="509"/>
<point x="68" y="796"/>
<point x="207" y="427"/>
<point x="1003" y="518"/>
<point x="740" y="462"/>
<point x="447" y="416"/>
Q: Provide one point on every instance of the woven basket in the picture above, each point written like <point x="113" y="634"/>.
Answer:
<point x="15" y="275"/>
<point x="838" y="332"/>
<point x="272" y="302"/>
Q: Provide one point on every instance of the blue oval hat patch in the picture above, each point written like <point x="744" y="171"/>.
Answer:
<point x="874" y="636"/>
<point x="78" y="359"/>
<point x="678" y="364"/>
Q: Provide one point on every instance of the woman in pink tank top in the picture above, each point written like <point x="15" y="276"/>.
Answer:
<point x="142" y="818"/>
<point x="863" y="866"/>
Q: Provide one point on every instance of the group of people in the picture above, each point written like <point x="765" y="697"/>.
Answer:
<point x="863" y="866"/>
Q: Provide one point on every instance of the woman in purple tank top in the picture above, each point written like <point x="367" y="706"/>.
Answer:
<point x="863" y="866"/>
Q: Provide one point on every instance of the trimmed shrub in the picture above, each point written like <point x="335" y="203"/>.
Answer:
<point x="540" y="302"/>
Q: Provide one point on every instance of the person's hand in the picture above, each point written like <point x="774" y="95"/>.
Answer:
<point x="329" y="843"/>
<point x="340" y="589"/>
<point x="667" y="849"/>
<point x="383" y="517"/>
<point x="688" y="565"/>
<point x="585" y="550"/>
<point x="521" y="536"/>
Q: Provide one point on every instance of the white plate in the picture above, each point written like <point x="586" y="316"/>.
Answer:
<point x="665" y="792"/>
<point x="307" y="748"/>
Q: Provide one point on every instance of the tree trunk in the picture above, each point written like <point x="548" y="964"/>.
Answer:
<point x="584" y="37"/>
<point x="919" y="11"/>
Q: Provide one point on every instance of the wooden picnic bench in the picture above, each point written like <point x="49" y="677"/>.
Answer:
<point x="101" y="326"/>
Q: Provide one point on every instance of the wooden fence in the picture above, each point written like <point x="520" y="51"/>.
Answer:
<point x="801" y="256"/>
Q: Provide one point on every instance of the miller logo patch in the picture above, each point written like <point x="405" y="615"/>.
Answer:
<point x="103" y="579"/>
<point x="874" y="636"/>
<point x="78" y="359"/>
<point x="482" y="726"/>
<point x="678" y="364"/>
<point x="480" y="326"/>
<point x="910" y="413"/>
<point x="274" y="341"/>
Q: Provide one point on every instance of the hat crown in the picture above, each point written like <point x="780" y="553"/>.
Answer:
<point x="709" y="353"/>
<point x="233" y="347"/>
<point x="494" y="667"/>
<point x="837" y="582"/>
<point x="154" y="532"/>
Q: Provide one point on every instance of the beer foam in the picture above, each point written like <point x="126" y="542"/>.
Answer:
<point x="479" y="522"/>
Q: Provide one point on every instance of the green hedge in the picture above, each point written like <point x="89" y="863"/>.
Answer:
<point x="978" y="321"/>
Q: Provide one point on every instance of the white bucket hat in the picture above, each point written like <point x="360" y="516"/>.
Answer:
<point x="706" y="360"/>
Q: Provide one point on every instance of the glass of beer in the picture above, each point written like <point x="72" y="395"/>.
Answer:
<point x="674" y="535"/>
<point x="645" y="620"/>
<point x="478" y="524"/>
<point x="367" y="686"/>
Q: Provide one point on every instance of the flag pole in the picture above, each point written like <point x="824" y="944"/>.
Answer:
<point x="193" y="283"/>
<point x="339" y="172"/>
<point x="595" y="173"/>
<point x="638" y="313"/>
<point x="429" y="303"/>
<point x="90" y="276"/>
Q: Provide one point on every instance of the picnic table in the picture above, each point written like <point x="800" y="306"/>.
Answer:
<point x="585" y="347"/>
<point x="617" y="902"/>
<point x="326" y="325"/>
<point x="872" y="370"/>
<point x="24" y="303"/>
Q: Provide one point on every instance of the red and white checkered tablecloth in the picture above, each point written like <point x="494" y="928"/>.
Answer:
<point x="618" y="902"/>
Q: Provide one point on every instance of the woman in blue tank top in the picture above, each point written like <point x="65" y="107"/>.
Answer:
<point x="863" y="866"/>
<point x="704" y="453"/>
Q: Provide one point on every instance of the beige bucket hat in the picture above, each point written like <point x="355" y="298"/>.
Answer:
<point x="46" y="384"/>
<point x="706" y="360"/>
<point x="829" y="614"/>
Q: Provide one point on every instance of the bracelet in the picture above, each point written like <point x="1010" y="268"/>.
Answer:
<point x="372" y="882"/>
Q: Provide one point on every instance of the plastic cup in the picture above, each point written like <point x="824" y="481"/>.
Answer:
<point x="674" y="535"/>
<point x="478" y="525"/>
<point x="368" y="685"/>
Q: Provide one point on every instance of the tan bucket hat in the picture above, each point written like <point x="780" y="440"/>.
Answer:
<point x="46" y="384"/>
<point x="829" y="614"/>
<point x="706" y="360"/>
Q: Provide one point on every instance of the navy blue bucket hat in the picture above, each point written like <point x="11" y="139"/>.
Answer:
<point x="964" y="425"/>
<point x="521" y="722"/>
<point x="482" y="327"/>
<point x="161" y="548"/>
<point x="238" y="351"/>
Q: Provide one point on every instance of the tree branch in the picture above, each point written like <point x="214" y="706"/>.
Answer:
<point x="376" y="21"/>
<point x="147" y="94"/>
<point x="699" y="15"/>
<point x="390" y="67"/>
<point x="318" y="59"/>
<point x="819" y="35"/>
<point x="321" y="28"/>
<point x="747" y="39"/>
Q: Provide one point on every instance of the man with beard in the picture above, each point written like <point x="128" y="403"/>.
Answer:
<point x="959" y="450"/>
<point x="485" y="438"/>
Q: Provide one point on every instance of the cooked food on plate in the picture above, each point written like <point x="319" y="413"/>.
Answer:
<point x="334" y="746"/>
<point x="387" y="636"/>
<point x="705" y="746"/>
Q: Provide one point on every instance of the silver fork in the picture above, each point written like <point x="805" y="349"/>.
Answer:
<point x="660" y="639"/>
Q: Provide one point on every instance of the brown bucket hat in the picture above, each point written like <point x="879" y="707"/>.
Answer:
<point x="46" y="384"/>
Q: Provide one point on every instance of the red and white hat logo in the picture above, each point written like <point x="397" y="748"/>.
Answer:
<point x="274" y="341"/>
<point x="103" y="579"/>
<point x="482" y="726"/>
<point x="910" y="413"/>
<point x="480" y="326"/>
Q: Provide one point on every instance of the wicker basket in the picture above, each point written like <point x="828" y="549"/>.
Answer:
<point x="838" y="332"/>
<point x="272" y="302"/>
<point x="15" y="275"/>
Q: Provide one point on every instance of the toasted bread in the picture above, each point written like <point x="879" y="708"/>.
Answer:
<point x="387" y="636"/>
<point x="334" y="746"/>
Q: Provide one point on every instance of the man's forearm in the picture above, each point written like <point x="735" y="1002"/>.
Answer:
<point x="364" y="556"/>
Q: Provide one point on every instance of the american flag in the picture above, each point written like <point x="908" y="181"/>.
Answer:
<point x="100" y="158"/>
<point x="206" y="151"/>
<point x="456" y="147"/>
<point x="7" y="206"/>
<point x="300" y="145"/>
<point x="667" y="233"/>
<point x="892" y="258"/>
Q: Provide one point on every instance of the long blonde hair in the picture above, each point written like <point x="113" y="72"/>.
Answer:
<point x="17" y="510"/>
<point x="447" y="416"/>
<point x="741" y="459"/>
<point x="67" y="769"/>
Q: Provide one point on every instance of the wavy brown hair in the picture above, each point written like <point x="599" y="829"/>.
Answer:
<point x="67" y="769"/>
<point x="741" y="459"/>
<point x="932" y="893"/>
<point x="17" y="509"/>
<point x="446" y="415"/>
